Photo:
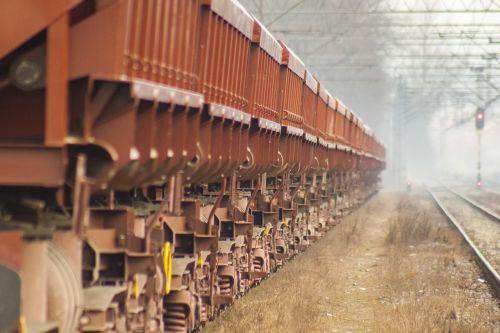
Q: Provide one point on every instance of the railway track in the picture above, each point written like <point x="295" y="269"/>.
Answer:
<point x="476" y="200"/>
<point x="478" y="226"/>
<point x="487" y="197"/>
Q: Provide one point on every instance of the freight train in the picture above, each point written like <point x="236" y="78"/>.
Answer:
<point x="157" y="159"/>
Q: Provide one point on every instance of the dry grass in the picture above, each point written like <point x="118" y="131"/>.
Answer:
<point x="298" y="297"/>
<point x="416" y="221"/>
<point x="373" y="274"/>
<point x="435" y="291"/>
<point x="349" y="231"/>
<point x="433" y="283"/>
<point x="410" y="225"/>
<point x="437" y="314"/>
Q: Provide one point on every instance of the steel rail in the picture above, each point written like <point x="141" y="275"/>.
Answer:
<point x="489" y="190"/>
<point x="489" y="271"/>
<point x="484" y="210"/>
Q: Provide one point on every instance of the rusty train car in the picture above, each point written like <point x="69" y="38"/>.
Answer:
<point x="158" y="159"/>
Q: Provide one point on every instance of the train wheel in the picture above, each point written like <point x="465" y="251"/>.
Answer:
<point x="65" y="294"/>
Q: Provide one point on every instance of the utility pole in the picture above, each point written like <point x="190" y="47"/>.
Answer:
<point x="398" y="139"/>
<point x="479" y="129"/>
<point x="479" y="122"/>
<point x="479" y="179"/>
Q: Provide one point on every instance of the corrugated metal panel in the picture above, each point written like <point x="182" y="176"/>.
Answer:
<point x="293" y="61"/>
<point x="311" y="82"/>
<point x="323" y="93"/>
<point x="235" y="14"/>
<point x="270" y="44"/>
<point x="341" y="107"/>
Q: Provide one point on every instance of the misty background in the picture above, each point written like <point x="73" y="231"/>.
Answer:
<point x="415" y="71"/>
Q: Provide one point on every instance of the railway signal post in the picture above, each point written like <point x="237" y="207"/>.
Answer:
<point x="479" y="128"/>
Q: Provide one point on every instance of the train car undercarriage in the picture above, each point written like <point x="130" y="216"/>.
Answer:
<point x="154" y="168"/>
